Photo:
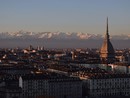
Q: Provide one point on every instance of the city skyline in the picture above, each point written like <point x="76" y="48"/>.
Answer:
<point x="65" y="16"/>
<point x="64" y="48"/>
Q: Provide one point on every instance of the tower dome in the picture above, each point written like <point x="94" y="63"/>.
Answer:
<point x="107" y="53"/>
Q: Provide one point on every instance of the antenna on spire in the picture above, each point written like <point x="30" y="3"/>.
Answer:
<point x="107" y="34"/>
<point x="107" y="26"/>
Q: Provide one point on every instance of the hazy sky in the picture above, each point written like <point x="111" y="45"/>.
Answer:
<point x="65" y="15"/>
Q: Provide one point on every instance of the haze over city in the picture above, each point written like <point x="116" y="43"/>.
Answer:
<point x="84" y="20"/>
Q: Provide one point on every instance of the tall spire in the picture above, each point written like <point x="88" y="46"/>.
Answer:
<point x="107" y="26"/>
<point x="107" y="32"/>
<point x="107" y="52"/>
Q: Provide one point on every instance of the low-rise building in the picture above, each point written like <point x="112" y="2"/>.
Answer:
<point x="54" y="86"/>
<point x="106" y="85"/>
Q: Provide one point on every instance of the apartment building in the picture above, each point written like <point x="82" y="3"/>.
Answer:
<point x="107" y="85"/>
<point x="54" y="86"/>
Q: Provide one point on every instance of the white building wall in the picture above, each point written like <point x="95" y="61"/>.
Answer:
<point x="109" y="87"/>
<point x="52" y="87"/>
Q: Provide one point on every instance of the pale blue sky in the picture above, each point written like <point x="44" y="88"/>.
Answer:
<point x="65" y="16"/>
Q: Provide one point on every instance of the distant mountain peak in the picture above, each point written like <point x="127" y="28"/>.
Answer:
<point x="57" y="35"/>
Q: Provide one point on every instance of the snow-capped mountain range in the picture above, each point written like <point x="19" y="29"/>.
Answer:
<point x="57" y="35"/>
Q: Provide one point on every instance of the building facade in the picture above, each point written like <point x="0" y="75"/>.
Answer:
<point x="101" y="86"/>
<point x="38" y="86"/>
